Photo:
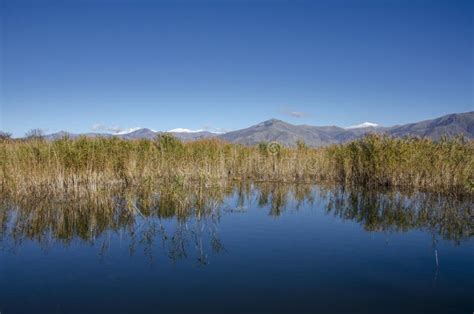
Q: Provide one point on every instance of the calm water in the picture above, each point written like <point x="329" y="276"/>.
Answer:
<point x="247" y="249"/>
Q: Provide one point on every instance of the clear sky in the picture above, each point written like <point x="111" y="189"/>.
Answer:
<point x="83" y="65"/>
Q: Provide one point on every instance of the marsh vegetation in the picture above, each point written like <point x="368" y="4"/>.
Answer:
<point x="88" y="166"/>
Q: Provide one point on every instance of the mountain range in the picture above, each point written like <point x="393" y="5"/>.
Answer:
<point x="288" y="134"/>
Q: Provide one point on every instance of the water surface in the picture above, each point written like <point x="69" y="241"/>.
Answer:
<point x="252" y="248"/>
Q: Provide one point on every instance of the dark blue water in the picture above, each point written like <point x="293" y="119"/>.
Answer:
<point x="254" y="250"/>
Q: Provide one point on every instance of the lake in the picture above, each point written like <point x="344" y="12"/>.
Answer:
<point x="242" y="248"/>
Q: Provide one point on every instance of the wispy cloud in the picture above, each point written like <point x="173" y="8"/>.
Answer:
<point x="293" y="113"/>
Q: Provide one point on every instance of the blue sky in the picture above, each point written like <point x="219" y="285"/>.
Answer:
<point x="72" y="65"/>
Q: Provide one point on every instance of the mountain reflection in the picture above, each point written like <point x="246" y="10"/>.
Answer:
<point x="182" y="221"/>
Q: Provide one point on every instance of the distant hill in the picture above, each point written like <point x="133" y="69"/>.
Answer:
<point x="285" y="133"/>
<point x="61" y="134"/>
<point x="192" y="136"/>
<point x="288" y="134"/>
<point x="139" y="134"/>
<point x="449" y="125"/>
<point x="143" y="133"/>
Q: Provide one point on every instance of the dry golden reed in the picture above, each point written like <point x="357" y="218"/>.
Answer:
<point x="92" y="166"/>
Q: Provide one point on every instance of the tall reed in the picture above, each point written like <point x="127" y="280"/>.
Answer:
<point x="86" y="166"/>
<point x="443" y="166"/>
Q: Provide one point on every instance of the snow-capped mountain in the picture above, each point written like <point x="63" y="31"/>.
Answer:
<point x="363" y="125"/>
<point x="182" y="130"/>
<point x="130" y="130"/>
<point x="289" y="134"/>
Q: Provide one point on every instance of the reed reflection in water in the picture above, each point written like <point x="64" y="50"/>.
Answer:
<point x="237" y="247"/>
<point x="182" y="221"/>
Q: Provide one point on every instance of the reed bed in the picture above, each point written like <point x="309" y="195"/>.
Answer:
<point x="102" y="166"/>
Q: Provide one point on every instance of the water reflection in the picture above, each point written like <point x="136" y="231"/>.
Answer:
<point x="182" y="221"/>
<point x="450" y="218"/>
